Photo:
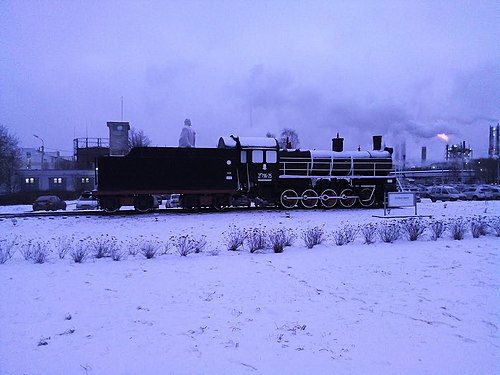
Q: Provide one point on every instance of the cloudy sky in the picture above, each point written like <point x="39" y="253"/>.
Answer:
<point x="406" y="70"/>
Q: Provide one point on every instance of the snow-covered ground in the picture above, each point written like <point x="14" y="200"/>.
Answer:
<point x="423" y="307"/>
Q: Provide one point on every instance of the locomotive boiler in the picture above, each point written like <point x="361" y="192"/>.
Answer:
<point x="246" y="167"/>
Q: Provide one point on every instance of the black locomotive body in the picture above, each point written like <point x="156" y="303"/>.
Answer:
<point x="251" y="168"/>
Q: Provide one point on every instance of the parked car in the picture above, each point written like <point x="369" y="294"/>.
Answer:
<point x="241" y="201"/>
<point x="445" y="193"/>
<point x="495" y="192"/>
<point x="86" y="202"/>
<point x="478" y="193"/>
<point x="172" y="201"/>
<point x="49" y="203"/>
<point x="157" y="201"/>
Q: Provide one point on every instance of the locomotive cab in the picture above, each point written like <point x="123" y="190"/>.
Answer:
<point x="257" y="167"/>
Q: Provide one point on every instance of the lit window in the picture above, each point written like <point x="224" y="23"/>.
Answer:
<point x="57" y="180"/>
<point x="85" y="180"/>
<point x="271" y="157"/>
<point x="257" y="156"/>
<point x="29" y="181"/>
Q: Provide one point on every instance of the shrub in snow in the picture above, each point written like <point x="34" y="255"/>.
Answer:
<point x="133" y="248"/>
<point x="458" y="228"/>
<point x="494" y="223"/>
<point x="27" y="251"/>
<point x="369" y="232"/>
<point x="278" y="240"/>
<point x="80" y="252"/>
<point x="149" y="249"/>
<point x="313" y="237"/>
<point x="103" y="246"/>
<point x="64" y="245"/>
<point x="117" y="254"/>
<point x="389" y="232"/>
<point x="478" y="227"/>
<point x="345" y="235"/>
<point x="235" y="238"/>
<point x="39" y="253"/>
<point x="200" y="244"/>
<point x="256" y="239"/>
<point x="185" y="245"/>
<point x="437" y="228"/>
<point x="414" y="228"/>
<point x="6" y="250"/>
<point x="289" y="237"/>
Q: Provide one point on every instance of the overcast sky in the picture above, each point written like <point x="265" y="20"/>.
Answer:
<point x="406" y="70"/>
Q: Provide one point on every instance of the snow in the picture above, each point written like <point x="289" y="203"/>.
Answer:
<point x="424" y="307"/>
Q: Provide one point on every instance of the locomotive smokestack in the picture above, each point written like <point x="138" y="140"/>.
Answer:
<point x="377" y="142"/>
<point x="338" y="144"/>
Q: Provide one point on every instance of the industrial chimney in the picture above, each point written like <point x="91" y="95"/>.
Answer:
<point x="424" y="155"/>
<point x="338" y="144"/>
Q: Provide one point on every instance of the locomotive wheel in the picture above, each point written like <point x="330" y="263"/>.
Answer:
<point x="326" y="201"/>
<point x="110" y="205"/>
<point x="309" y="198"/>
<point x="143" y="203"/>
<point x="289" y="198"/>
<point x="346" y="201"/>
<point x="367" y="197"/>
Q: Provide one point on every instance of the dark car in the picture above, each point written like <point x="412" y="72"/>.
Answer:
<point x="49" y="203"/>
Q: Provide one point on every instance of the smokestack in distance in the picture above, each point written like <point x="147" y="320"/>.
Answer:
<point x="338" y="144"/>
<point x="377" y="142"/>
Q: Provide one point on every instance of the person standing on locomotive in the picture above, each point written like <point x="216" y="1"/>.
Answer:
<point x="188" y="135"/>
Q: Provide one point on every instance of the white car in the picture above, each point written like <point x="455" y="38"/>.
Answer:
<point x="86" y="202"/>
<point x="173" y="201"/>
<point x="478" y="193"/>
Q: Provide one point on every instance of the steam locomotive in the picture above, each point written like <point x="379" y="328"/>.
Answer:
<point x="248" y="169"/>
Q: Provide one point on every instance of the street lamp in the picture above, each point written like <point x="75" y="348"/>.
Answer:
<point x="42" y="149"/>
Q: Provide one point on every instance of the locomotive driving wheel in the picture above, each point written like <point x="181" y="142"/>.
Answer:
<point x="327" y="199"/>
<point x="309" y="198"/>
<point x="289" y="198"/>
<point x="347" y="199"/>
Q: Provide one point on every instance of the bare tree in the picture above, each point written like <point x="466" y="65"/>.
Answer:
<point x="289" y="139"/>
<point x="10" y="158"/>
<point x="270" y="135"/>
<point x="137" y="138"/>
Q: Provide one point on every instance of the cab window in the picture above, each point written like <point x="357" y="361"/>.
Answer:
<point x="257" y="156"/>
<point x="271" y="157"/>
<point x="243" y="157"/>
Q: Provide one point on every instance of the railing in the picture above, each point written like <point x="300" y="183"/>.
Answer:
<point x="306" y="167"/>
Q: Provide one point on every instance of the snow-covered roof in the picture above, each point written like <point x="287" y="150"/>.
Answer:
<point x="248" y="142"/>
<point x="349" y="154"/>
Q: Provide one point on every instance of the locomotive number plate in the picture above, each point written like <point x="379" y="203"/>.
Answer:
<point x="264" y="176"/>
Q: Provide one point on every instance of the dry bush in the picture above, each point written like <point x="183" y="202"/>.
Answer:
<point x="458" y="228"/>
<point x="437" y="228"/>
<point x="389" y="232"/>
<point x="478" y="227"/>
<point x="6" y="250"/>
<point x="278" y="240"/>
<point x="369" y="232"/>
<point x="345" y="235"/>
<point x="80" y="252"/>
<point x="184" y="244"/>
<point x="235" y="238"/>
<point x="494" y="223"/>
<point x="313" y="236"/>
<point x="256" y="239"/>
<point x="414" y="228"/>
<point x="64" y="245"/>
